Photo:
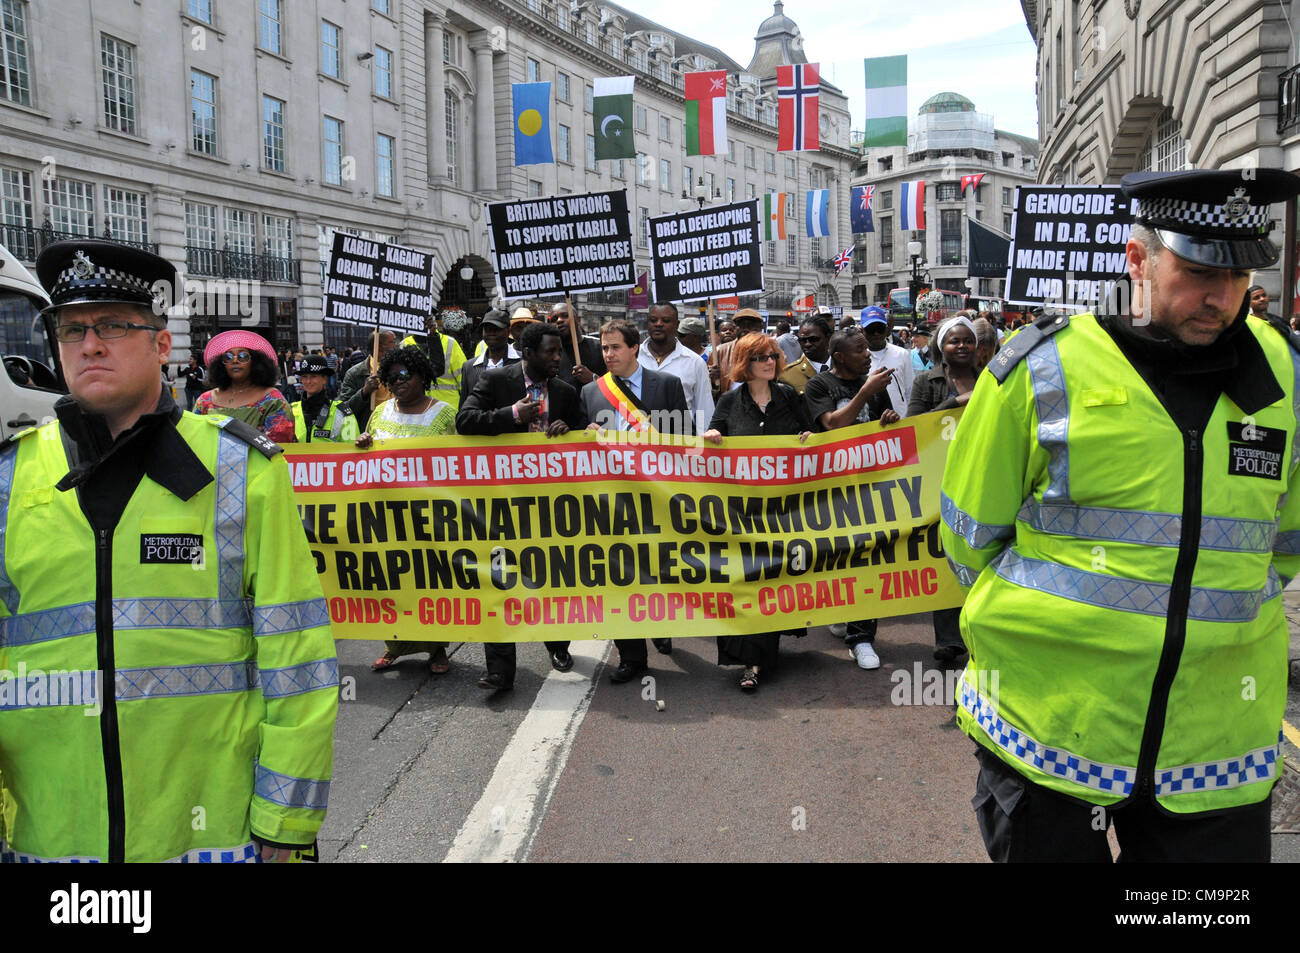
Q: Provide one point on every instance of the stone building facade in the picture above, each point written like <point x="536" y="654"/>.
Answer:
<point x="237" y="137"/>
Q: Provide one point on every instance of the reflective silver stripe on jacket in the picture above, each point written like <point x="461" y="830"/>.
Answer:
<point x="1249" y="768"/>
<point x="290" y="617"/>
<point x="176" y="680"/>
<point x="1287" y="543"/>
<point x="297" y="679"/>
<point x="1111" y="778"/>
<point x="1295" y="403"/>
<point x="965" y="575"/>
<point x="1146" y="528"/>
<point x="1130" y="595"/>
<point x="977" y="534"/>
<point x="289" y="791"/>
<point x="45" y="625"/>
<point x="1053" y="405"/>
<point x="228" y="521"/>
<point x="8" y="594"/>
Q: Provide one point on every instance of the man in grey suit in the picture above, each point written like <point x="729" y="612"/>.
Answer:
<point x="631" y="397"/>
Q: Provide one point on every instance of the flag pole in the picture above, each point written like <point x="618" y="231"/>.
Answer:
<point x="573" y="330"/>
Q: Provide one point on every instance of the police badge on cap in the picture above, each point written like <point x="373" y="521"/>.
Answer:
<point x="91" y="271"/>
<point x="1215" y="218"/>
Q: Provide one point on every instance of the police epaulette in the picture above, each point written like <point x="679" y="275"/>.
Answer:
<point x="247" y="433"/>
<point x="1025" y="341"/>
<point x="13" y="438"/>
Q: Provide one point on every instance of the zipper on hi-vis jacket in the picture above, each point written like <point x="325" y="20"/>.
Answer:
<point x="108" y="717"/>
<point x="1180" y="594"/>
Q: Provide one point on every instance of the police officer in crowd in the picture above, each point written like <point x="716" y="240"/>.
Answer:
<point x="1124" y="618"/>
<point x="181" y="602"/>
<point x="316" y="417"/>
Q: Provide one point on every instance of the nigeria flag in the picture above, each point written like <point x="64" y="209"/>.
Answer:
<point x="611" y="106"/>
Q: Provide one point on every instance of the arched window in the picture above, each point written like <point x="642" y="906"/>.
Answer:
<point x="1165" y="149"/>
<point x="453" y="138"/>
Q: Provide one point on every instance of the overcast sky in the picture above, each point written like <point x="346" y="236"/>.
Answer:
<point x="984" y="52"/>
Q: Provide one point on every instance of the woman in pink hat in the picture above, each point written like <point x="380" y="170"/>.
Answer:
<point x="242" y="365"/>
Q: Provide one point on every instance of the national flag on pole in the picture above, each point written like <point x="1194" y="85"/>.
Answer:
<point x="911" y="206"/>
<point x="638" y="299"/>
<point x="706" y="112"/>
<point x="860" y="209"/>
<point x="798" y="94"/>
<point x="842" y="260"/>
<point x="774" y="216"/>
<point x="886" y="101"/>
<point x="817" y="216"/>
<point x="971" y="180"/>
<point x="532" y="103"/>
<point x="806" y="304"/>
<point x="611" y="117"/>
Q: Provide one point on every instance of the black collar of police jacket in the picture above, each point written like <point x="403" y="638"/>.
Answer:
<point x="166" y="458"/>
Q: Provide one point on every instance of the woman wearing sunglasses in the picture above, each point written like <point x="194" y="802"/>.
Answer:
<point x="761" y="406"/>
<point x="407" y="373"/>
<point x="242" y="366"/>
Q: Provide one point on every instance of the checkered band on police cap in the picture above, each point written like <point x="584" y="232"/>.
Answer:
<point x="1236" y="217"/>
<point x="84" y="275"/>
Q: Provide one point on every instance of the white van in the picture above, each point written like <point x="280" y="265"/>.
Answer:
<point x="33" y="380"/>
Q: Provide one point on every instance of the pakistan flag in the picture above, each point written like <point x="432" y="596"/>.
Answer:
<point x="611" y="104"/>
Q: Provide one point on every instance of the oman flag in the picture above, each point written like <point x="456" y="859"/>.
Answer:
<point x="706" y="112"/>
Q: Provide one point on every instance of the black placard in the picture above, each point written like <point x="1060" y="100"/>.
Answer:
<point x="371" y="283"/>
<point x="715" y="252"/>
<point x="562" y="244"/>
<point x="1067" y="247"/>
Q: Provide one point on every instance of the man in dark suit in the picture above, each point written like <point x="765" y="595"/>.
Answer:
<point x="630" y="397"/>
<point x="525" y="397"/>
<point x="498" y="352"/>
<point x="588" y="364"/>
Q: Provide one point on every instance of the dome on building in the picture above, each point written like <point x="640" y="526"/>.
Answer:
<point x="946" y="103"/>
<point x="776" y="24"/>
<point x="777" y="42"/>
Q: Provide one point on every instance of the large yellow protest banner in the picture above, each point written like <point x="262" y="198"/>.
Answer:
<point x="604" y="535"/>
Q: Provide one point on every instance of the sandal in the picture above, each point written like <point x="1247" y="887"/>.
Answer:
<point x="439" y="664"/>
<point x="749" y="680"/>
<point x="384" y="662"/>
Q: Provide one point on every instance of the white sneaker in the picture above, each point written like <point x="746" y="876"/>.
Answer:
<point x="839" y="629"/>
<point x="866" y="656"/>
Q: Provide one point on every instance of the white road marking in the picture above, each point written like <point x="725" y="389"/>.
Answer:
<point x="503" y="823"/>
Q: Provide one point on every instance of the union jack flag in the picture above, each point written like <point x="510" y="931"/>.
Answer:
<point x="842" y="260"/>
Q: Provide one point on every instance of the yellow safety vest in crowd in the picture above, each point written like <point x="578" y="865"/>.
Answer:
<point x="218" y="693"/>
<point x="1125" y="615"/>
<point x="335" y="423"/>
<point x="447" y="387"/>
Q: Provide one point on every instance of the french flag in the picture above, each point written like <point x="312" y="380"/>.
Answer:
<point x="911" y="206"/>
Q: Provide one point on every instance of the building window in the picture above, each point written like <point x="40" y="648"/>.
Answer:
<point x="769" y="162"/>
<point x="618" y="169"/>
<point x="750" y="158"/>
<point x="1165" y="149"/>
<point x="117" y="72"/>
<point x="688" y="179"/>
<point x="268" y="25"/>
<point x="272" y="134"/>
<point x="815" y="178"/>
<point x="792" y="249"/>
<point x="565" y="144"/>
<point x="200" y="10"/>
<point x="665" y="129"/>
<point x="241" y="231"/>
<point x="731" y="190"/>
<point x="16" y="211"/>
<point x="950" y="236"/>
<point x="333" y="135"/>
<point x="946" y="192"/>
<point x="886" y="239"/>
<point x="642" y="169"/>
<point x="731" y="150"/>
<point x="886" y="163"/>
<point x="534" y="71"/>
<point x="383" y="72"/>
<point x="590" y="100"/>
<point x="562" y="87"/>
<point x="451" y="48"/>
<point x="643" y="227"/>
<point x="200" y="225"/>
<point x="886" y="200"/>
<point x="750" y="191"/>
<point x="126" y="215"/>
<point x="591" y="154"/>
<point x="789" y="167"/>
<point x="534" y="189"/>
<point x="330" y="62"/>
<point x="381" y="6"/>
<point x="203" y="113"/>
<point x="1008" y="159"/>
<point x="771" y="254"/>
<point x="384" y="155"/>
<point x="70" y="205"/>
<point x="665" y="175"/>
<point x="15" y="83"/>
<point x="642" y="122"/>
<point x="815" y="250"/>
<point x="451" y="116"/>
<point x="1006" y="222"/>
<point x="1006" y="196"/>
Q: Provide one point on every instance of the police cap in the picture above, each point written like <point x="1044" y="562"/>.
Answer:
<point x="91" y="271"/>
<point x="1217" y="218"/>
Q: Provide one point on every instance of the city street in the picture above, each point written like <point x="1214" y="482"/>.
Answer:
<point x="818" y="765"/>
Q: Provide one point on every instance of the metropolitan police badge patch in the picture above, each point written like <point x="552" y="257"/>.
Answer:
<point x="1259" y="452"/>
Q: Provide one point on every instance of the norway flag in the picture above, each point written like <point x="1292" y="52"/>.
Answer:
<point x="911" y="206"/>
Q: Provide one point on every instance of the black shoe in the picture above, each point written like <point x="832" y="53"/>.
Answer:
<point x="949" y="654"/>
<point x="561" y="661"/>
<point x="665" y="646"/>
<point x="627" y="671"/>
<point x="494" y="682"/>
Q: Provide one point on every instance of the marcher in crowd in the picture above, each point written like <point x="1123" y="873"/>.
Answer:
<point x="815" y="342"/>
<point x="588" y="365"/>
<point x="986" y="341"/>
<point x="691" y="332"/>
<point x="747" y="321"/>
<point x="407" y="372"/>
<point x="213" y="682"/>
<point x="496" y="351"/>
<point x="788" y="342"/>
<point x="524" y="397"/>
<point x="362" y="379"/>
<point x="316" y="417"/>
<point x="950" y="382"/>
<point x="447" y="364"/>
<point x="242" y="366"/>
<point x="196" y="381"/>
<point x="661" y="351"/>
<point x="761" y="406"/>
<point x="884" y="353"/>
<point x="841" y="397"/>
<point x="1098" y="500"/>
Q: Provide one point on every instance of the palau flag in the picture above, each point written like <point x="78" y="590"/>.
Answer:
<point x="532" y="123"/>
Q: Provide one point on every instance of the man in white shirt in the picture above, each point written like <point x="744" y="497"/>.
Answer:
<point x="884" y="354"/>
<point x="661" y="351"/>
<point x="495" y="350"/>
